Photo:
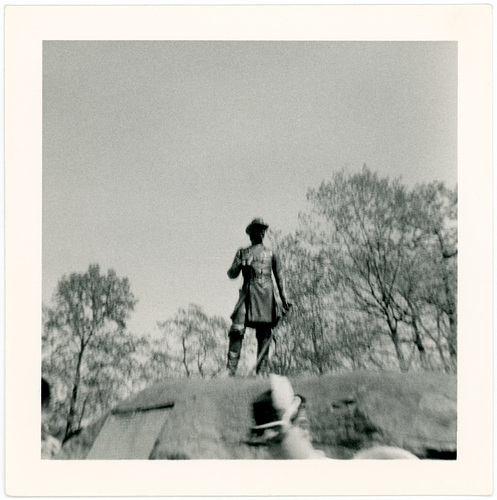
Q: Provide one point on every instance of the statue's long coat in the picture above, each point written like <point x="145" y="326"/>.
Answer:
<point x="260" y="300"/>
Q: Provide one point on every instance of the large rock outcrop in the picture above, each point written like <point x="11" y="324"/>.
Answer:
<point x="210" y="419"/>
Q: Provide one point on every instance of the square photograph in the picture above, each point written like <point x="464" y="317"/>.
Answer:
<point x="325" y="173"/>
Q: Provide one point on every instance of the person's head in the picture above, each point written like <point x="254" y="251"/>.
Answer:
<point x="256" y="230"/>
<point x="45" y="406"/>
<point x="281" y="422"/>
<point x="45" y="394"/>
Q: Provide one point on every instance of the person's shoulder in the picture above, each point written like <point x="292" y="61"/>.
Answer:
<point x="242" y="251"/>
<point x="270" y="250"/>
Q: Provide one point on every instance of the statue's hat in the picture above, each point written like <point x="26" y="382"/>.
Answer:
<point x="256" y="222"/>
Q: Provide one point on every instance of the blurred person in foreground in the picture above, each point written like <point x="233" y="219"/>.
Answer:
<point x="258" y="305"/>
<point x="282" y="426"/>
<point x="50" y="446"/>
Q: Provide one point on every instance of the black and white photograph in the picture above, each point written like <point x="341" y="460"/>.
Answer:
<point x="249" y="254"/>
<point x="156" y="158"/>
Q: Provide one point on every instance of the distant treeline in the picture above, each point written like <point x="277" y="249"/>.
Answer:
<point x="372" y="274"/>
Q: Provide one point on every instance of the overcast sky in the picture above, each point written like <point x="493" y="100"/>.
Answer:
<point x="156" y="155"/>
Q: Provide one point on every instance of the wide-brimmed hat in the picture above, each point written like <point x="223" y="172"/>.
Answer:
<point x="274" y="410"/>
<point x="257" y="222"/>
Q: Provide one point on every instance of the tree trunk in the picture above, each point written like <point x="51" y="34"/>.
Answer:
<point x="451" y="309"/>
<point x="398" y="351"/>
<point x="74" y="397"/>
<point x="452" y="314"/>
<point x="394" y="335"/>
<point x="185" y="364"/>
<point x="418" y="342"/>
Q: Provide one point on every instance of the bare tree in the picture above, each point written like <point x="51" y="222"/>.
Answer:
<point x="198" y="341"/>
<point x="373" y="273"/>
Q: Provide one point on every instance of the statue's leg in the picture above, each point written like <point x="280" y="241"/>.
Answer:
<point x="236" y="334"/>
<point x="263" y="334"/>
<point x="234" y="350"/>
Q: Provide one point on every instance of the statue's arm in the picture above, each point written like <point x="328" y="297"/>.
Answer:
<point x="280" y="281"/>
<point x="236" y="267"/>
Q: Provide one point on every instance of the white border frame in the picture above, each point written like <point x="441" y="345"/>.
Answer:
<point x="25" y="29"/>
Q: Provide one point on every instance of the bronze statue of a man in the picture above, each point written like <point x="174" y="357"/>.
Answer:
<point x="258" y="306"/>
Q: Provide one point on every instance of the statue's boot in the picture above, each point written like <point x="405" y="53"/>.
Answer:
<point x="233" y="359"/>
<point x="234" y="350"/>
<point x="263" y="341"/>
